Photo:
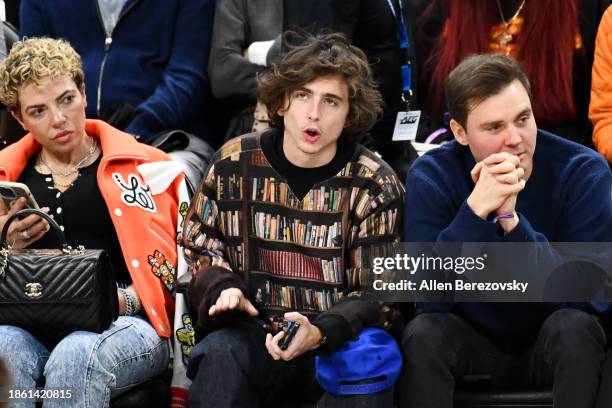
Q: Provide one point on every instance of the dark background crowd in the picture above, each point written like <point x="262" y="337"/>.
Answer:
<point x="156" y="66"/>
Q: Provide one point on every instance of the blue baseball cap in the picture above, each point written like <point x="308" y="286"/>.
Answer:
<point x="367" y="364"/>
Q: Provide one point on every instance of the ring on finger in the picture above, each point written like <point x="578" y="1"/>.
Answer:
<point x="25" y="234"/>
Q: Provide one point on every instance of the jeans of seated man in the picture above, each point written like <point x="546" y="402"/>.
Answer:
<point x="95" y="367"/>
<point x="442" y="348"/>
<point x="231" y="367"/>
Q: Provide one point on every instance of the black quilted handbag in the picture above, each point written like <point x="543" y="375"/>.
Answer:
<point x="55" y="290"/>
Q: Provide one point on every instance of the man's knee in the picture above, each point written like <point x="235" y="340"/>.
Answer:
<point x="425" y="335"/>
<point x="220" y="342"/>
<point x="220" y="348"/>
<point x="572" y="329"/>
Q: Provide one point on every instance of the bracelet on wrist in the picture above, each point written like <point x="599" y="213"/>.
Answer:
<point x="502" y="217"/>
<point x="132" y="303"/>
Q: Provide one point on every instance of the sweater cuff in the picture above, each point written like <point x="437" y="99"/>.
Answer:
<point x="468" y="227"/>
<point x="213" y="295"/>
<point x="523" y="232"/>
<point x="336" y="330"/>
<point x="205" y="287"/>
<point x="258" y="52"/>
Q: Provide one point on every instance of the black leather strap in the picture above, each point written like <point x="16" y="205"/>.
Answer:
<point x="27" y="211"/>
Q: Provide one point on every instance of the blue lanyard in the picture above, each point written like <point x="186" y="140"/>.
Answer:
<point x="401" y="24"/>
<point x="404" y="45"/>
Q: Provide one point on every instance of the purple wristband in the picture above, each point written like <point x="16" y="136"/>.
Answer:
<point x="503" y="216"/>
<point x="435" y="134"/>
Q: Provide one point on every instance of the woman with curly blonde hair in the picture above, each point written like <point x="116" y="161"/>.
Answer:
<point x="98" y="184"/>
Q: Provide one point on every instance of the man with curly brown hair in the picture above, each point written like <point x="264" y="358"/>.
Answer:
<point x="277" y="231"/>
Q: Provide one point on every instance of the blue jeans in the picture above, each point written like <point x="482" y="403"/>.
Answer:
<point x="94" y="366"/>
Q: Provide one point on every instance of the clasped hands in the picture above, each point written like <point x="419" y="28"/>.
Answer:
<point x="308" y="336"/>
<point x="498" y="180"/>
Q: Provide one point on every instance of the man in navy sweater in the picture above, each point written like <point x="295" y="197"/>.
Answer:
<point x="494" y="183"/>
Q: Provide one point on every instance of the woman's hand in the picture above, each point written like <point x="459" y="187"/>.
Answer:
<point x="23" y="232"/>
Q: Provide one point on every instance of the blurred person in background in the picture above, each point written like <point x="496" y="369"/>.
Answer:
<point x="248" y="37"/>
<point x="553" y="40"/>
<point x="600" y="110"/>
<point x="144" y="60"/>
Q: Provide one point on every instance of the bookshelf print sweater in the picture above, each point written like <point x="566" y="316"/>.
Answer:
<point x="288" y="254"/>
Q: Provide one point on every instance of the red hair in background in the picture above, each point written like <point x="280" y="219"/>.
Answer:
<point x="545" y="48"/>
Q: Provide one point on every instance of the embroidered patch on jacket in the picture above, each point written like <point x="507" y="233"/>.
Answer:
<point x="163" y="269"/>
<point x="183" y="211"/>
<point x="135" y="193"/>
<point x="186" y="336"/>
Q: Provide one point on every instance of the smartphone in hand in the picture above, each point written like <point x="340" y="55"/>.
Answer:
<point x="11" y="192"/>
<point x="292" y="328"/>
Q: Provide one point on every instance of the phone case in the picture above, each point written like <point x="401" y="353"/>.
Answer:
<point x="292" y="329"/>
<point x="11" y="191"/>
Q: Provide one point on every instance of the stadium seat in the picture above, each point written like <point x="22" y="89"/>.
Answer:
<point x="11" y="35"/>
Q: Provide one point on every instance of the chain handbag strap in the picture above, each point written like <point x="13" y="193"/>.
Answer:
<point x="3" y="261"/>
<point x="5" y="247"/>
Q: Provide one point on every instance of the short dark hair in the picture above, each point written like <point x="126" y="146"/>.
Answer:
<point x="319" y="56"/>
<point x="477" y="78"/>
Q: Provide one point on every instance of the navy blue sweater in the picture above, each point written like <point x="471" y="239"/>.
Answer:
<point x="156" y="60"/>
<point x="568" y="198"/>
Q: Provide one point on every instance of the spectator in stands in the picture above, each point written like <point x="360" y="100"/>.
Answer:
<point x="145" y="61"/>
<point x="495" y="184"/>
<point x="247" y="39"/>
<point x="600" y="113"/>
<point x="107" y="191"/>
<point x="289" y="211"/>
<point x="554" y="42"/>
<point x="600" y="110"/>
<point x="10" y="131"/>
